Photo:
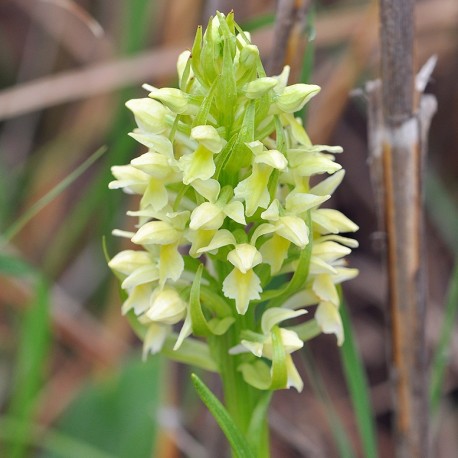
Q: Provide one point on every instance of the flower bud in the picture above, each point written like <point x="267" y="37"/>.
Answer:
<point x="294" y="97"/>
<point x="166" y="307"/>
<point x="259" y="87"/>
<point x="182" y="62"/>
<point x="249" y="55"/>
<point x="149" y="115"/>
<point x="207" y="216"/>
<point x="328" y="318"/>
<point x="132" y="180"/>
<point x="172" y="98"/>
<point x="208" y="137"/>
<point x="127" y="261"/>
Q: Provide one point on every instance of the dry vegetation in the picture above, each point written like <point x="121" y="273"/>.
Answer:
<point x="67" y="67"/>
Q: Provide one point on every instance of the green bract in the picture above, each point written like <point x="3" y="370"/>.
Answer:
<point x="227" y="214"/>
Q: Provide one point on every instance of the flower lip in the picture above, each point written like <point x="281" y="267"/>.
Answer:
<point x="244" y="257"/>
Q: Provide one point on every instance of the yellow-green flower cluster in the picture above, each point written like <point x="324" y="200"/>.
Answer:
<point x="227" y="212"/>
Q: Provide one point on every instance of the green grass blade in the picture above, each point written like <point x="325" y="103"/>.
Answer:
<point x="442" y="353"/>
<point x="32" y="353"/>
<point x="13" y="266"/>
<point x="51" y="195"/>
<point x="234" y="436"/>
<point x="442" y="210"/>
<point x="358" y="387"/>
<point x="339" y="433"/>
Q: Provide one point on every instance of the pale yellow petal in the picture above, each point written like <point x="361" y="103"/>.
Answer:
<point x="325" y="289"/>
<point x="244" y="256"/>
<point x="243" y="287"/>
<point x="328" y="318"/>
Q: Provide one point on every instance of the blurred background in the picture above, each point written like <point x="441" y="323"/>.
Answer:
<point x="72" y="383"/>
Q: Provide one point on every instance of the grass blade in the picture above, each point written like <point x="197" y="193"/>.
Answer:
<point x="442" y="354"/>
<point x="442" y="210"/>
<point x="33" y="351"/>
<point x="51" y="195"/>
<point x="358" y="387"/>
<point x="234" y="436"/>
<point x="341" y="438"/>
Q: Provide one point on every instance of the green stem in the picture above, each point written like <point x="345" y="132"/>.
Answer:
<point x="240" y="398"/>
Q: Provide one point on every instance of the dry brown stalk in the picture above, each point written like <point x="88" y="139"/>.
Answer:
<point x="289" y="41"/>
<point x="102" y="78"/>
<point x="398" y="129"/>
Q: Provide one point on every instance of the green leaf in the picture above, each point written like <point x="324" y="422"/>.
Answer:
<point x="341" y="437"/>
<point x="198" y="320"/>
<point x="13" y="266"/>
<point x="210" y="57"/>
<point x="442" y="354"/>
<point x="358" y="387"/>
<point x="215" y="302"/>
<point x="307" y="331"/>
<point x="224" y="155"/>
<point x="192" y="352"/>
<point x="202" y="115"/>
<point x="259" y="422"/>
<point x="32" y="354"/>
<point x="51" y="195"/>
<point x="279" y="373"/>
<point x="277" y="297"/>
<point x="257" y="374"/>
<point x="238" y="442"/>
<point x="195" y="57"/>
<point x="117" y="413"/>
<point x="220" y="326"/>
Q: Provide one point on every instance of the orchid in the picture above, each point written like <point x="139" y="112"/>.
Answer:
<point x="227" y="210"/>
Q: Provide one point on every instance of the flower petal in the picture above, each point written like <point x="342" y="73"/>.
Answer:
<point x="325" y="289"/>
<point x="140" y="276"/>
<point x="272" y="158"/>
<point x="208" y="137"/>
<point x="329" y="185"/>
<point x="150" y="115"/>
<point x="133" y="181"/>
<point x="328" y="220"/>
<point x="167" y="307"/>
<point x="275" y="315"/>
<point x="294" y="379"/>
<point x="155" y="338"/>
<point x="207" y="216"/>
<point x="328" y="318"/>
<point x="171" y="264"/>
<point x="138" y="300"/>
<point x="158" y="232"/>
<point x="294" y="229"/>
<point x="207" y="188"/>
<point x="198" y="165"/>
<point x="156" y="143"/>
<point x="221" y="238"/>
<point x="127" y="261"/>
<point x="300" y="202"/>
<point x="235" y="211"/>
<point x="244" y="257"/>
<point x="153" y="164"/>
<point x="243" y="287"/>
<point x="274" y="252"/>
